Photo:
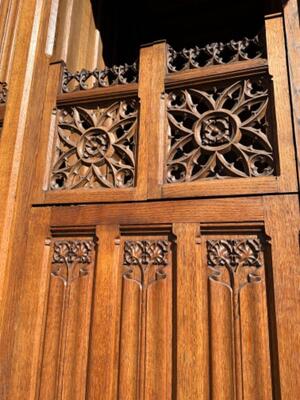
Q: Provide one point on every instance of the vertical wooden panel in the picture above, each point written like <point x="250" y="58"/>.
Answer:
<point x="146" y="324"/>
<point x="102" y="379"/>
<point x="191" y="311"/>
<point x="77" y="41"/>
<point x="156" y="127"/>
<point x="221" y="338"/>
<point x="131" y="315"/>
<point x="282" y="225"/>
<point x="158" y="361"/>
<point x="238" y="317"/>
<point x="30" y="311"/>
<point x="279" y="70"/>
<point x="64" y="365"/>
<point x="255" y="342"/>
<point x="9" y="10"/>
<point x="292" y="30"/>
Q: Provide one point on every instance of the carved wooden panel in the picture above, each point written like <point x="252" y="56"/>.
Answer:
<point x="96" y="146"/>
<point x="3" y="92"/>
<point x="214" y="54"/>
<point x="146" y="323"/>
<point x="65" y="348"/>
<point x="84" y="79"/>
<point x="239" y="309"/>
<point x="221" y="131"/>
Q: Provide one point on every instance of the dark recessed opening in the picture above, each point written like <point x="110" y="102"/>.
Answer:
<point x="125" y="26"/>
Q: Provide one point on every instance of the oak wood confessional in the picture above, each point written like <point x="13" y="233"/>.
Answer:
<point x="149" y="219"/>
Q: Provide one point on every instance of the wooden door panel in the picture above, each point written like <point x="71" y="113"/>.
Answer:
<point x="191" y="307"/>
<point x="68" y="314"/>
<point x="137" y="356"/>
<point x="240" y="355"/>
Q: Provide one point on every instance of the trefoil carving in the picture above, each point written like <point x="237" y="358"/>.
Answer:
<point x="214" y="54"/>
<point x="109" y="76"/>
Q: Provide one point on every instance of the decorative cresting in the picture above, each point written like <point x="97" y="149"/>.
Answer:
<point x="96" y="147"/>
<point x="235" y="263"/>
<point x="3" y="92"/>
<point x="145" y="260"/>
<point x="85" y="79"/>
<point x="72" y="259"/>
<point x="214" y="54"/>
<point x="220" y="132"/>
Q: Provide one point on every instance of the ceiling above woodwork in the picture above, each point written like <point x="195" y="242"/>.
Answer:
<point x="124" y="26"/>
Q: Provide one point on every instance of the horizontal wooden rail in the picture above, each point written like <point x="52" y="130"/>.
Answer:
<point x="216" y="72"/>
<point x="92" y="95"/>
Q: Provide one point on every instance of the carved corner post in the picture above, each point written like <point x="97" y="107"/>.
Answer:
<point x="278" y="68"/>
<point x="152" y="86"/>
<point x="291" y="14"/>
<point x="18" y="148"/>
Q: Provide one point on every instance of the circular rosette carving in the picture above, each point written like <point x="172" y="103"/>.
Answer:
<point x="219" y="133"/>
<point x="96" y="147"/>
<point x="216" y="130"/>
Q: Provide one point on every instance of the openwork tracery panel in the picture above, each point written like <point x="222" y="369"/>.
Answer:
<point x="221" y="131"/>
<point x="96" y="146"/>
<point x="3" y="92"/>
<point x="214" y="54"/>
<point x="109" y="76"/>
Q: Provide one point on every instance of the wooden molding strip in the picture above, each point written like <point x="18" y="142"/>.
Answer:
<point x="216" y="72"/>
<point x="88" y="96"/>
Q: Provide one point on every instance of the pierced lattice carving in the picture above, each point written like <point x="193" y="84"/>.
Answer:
<point x="96" y="147"/>
<point x="3" y="92"/>
<point x="85" y="79"/>
<point x="214" y="54"/>
<point x="220" y="132"/>
<point x="72" y="259"/>
<point x="145" y="260"/>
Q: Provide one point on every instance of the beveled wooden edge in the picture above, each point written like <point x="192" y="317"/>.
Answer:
<point x="2" y="112"/>
<point x="216" y="72"/>
<point x="97" y="94"/>
<point x="278" y="67"/>
<point x="243" y="209"/>
<point x="87" y="196"/>
<point x="292" y="30"/>
<point x="224" y="187"/>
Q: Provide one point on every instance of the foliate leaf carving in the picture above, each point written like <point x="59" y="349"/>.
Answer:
<point x="220" y="132"/>
<point x="3" y="92"/>
<point x="235" y="263"/>
<point x="214" y="54"/>
<point x="85" y="79"/>
<point x="145" y="260"/>
<point x="72" y="259"/>
<point x="96" y="147"/>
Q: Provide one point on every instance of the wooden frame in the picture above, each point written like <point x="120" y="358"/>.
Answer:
<point x="93" y="96"/>
<point x="286" y="181"/>
<point x="185" y="219"/>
